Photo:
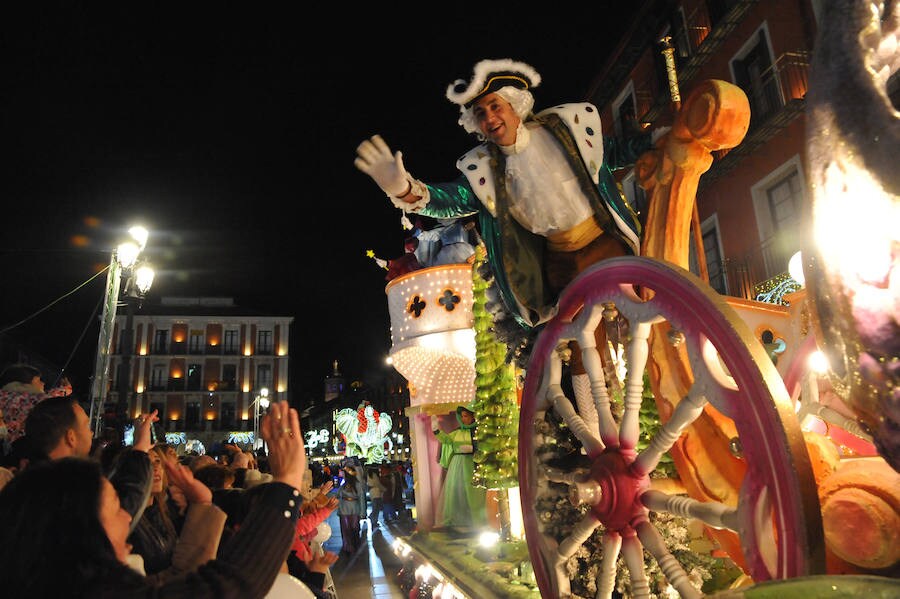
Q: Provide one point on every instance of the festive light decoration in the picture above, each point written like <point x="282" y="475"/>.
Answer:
<point x="496" y="402"/>
<point x="313" y="438"/>
<point x="366" y="432"/>
<point x="195" y="445"/>
<point x="240" y="437"/>
<point x="176" y="438"/>
<point x="432" y="340"/>
<point x="774" y="290"/>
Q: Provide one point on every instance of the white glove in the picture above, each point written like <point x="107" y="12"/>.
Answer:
<point x="374" y="158"/>
<point x="434" y="423"/>
<point x="466" y="449"/>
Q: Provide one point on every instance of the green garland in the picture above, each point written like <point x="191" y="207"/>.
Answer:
<point x="496" y="403"/>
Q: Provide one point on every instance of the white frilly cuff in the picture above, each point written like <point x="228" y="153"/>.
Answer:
<point x="416" y="188"/>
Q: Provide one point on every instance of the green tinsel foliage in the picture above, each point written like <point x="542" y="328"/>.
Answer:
<point x="648" y="416"/>
<point x="496" y="406"/>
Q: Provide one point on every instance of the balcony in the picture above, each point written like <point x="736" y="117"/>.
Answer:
<point x="780" y="98"/>
<point x="700" y="39"/>
<point x="757" y="271"/>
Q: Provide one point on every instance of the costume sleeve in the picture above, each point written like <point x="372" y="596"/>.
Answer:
<point x="447" y="448"/>
<point x="453" y="199"/>
<point x="624" y="152"/>
<point x="307" y="522"/>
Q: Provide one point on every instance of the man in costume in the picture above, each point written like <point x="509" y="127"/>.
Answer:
<point x="462" y="505"/>
<point x="547" y="204"/>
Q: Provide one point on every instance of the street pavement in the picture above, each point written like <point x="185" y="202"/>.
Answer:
<point x="371" y="572"/>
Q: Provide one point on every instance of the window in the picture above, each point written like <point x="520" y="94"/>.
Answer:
<point x="779" y="200"/>
<point x="232" y="342"/>
<point x="192" y="415"/>
<point x="718" y="9"/>
<point x="264" y="342"/>
<point x="194" y="377"/>
<point x="624" y="112"/>
<point x="229" y="377"/>
<point x="784" y="207"/>
<point x="784" y="202"/>
<point x="714" y="263"/>
<point x="159" y="377"/>
<point x="196" y="342"/>
<point x="264" y="376"/>
<point x="228" y="421"/>
<point x="680" y="40"/>
<point x="712" y="250"/>
<point x="161" y="342"/>
<point x="676" y="29"/>
<point x="753" y="73"/>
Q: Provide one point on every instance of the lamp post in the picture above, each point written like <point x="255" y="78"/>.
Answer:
<point x="138" y="279"/>
<point x="261" y="401"/>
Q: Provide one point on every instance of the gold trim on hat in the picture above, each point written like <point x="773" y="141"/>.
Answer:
<point x="491" y="80"/>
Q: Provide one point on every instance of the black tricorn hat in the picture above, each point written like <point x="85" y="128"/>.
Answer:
<point x="488" y="76"/>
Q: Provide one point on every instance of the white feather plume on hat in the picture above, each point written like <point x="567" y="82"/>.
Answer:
<point x="489" y="75"/>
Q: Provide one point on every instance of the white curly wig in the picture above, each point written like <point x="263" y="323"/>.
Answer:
<point x="508" y="78"/>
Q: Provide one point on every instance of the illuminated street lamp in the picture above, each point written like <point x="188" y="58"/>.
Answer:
<point x="260" y="403"/>
<point x="138" y="276"/>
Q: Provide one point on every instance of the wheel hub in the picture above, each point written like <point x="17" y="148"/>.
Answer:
<point x="612" y="489"/>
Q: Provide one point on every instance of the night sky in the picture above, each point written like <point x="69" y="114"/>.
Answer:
<point x="229" y="130"/>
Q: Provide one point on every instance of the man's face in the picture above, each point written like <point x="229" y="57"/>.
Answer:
<point x="83" y="434"/>
<point x="467" y="417"/>
<point x="497" y="120"/>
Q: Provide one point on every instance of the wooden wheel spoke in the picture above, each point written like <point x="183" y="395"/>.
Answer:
<point x="674" y="573"/>
<point x="606" y="578"/>
<point x="714" y="514"/>
<point x="708" y="358"/>
<point x="593" y="397"/>
<point x="596" y="391"/>
<point x="687" y="411"/>
<point x="633" y="555"/>
<point x="581" y="532"/>
<point x="637" y="351"/>
<point x="581" y="430"/>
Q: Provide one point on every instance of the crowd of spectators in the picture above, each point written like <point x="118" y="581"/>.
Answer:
<point x="86" y="518"/>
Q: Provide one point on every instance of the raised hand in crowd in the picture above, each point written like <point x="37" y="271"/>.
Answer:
<point x="142" y="425"/>
<point x="280" y="428"/>
<point x="320" y="562"/>
<point x="181" y="476"/>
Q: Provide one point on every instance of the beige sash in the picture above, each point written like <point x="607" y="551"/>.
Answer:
<point x="575" y="238"/>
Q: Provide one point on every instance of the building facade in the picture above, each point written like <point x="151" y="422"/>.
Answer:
<point x="752" y="202"/>
<point x="203" y="363"/>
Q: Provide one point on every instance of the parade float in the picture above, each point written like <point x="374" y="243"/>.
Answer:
<point x="724" y="447"/>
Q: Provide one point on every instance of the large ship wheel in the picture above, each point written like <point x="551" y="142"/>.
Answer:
<point x="775" y="514"/>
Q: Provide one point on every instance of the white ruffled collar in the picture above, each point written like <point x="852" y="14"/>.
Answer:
<point x="523" y="137"/>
